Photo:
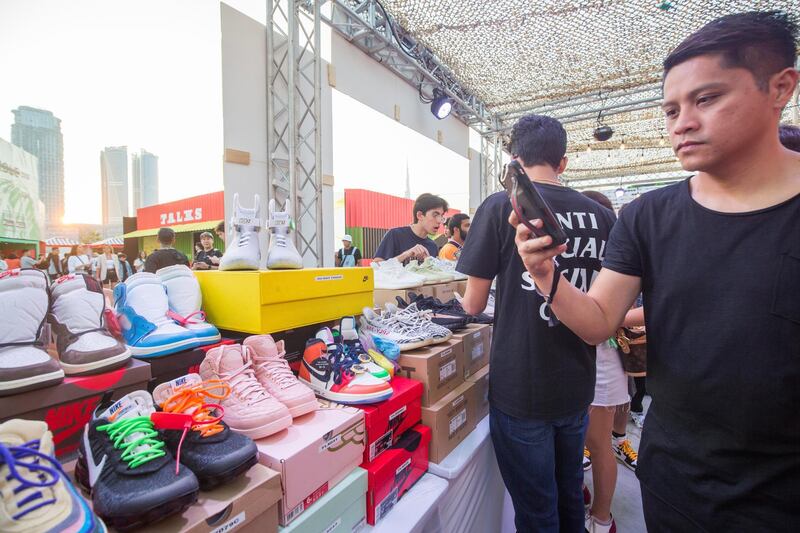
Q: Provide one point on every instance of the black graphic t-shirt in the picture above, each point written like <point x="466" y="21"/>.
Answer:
<point x="722" y="309"/>
<point x="398" y="240"/>
<point x="537" y="370"/>
<point x="164" y="257"/>
<point x="204" y="256"/>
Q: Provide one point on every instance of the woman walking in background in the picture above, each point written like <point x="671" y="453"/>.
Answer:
<point x="138" y="263"/>
<point x="108" y="267"/>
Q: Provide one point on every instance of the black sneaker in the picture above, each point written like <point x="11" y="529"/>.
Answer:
<point x="127" y="468"/>
<point x="441" y="317"/>
<point x="210" y="449"/>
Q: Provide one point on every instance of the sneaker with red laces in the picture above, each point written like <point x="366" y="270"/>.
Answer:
<point x="273" y="372"/>
<point x="249" y="409"/>
<point x="337" y="377"/>
<point x="593" y="526"/>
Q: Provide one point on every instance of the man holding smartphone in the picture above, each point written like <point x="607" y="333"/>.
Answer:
<point x="542" y="375"/>
<point x="717" y="257"/>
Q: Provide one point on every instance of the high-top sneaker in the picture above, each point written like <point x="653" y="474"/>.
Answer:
<point x="125" y="465"/>
<point x="356" y="356"/>
<point x="77" y="316"/>
<point x="244" y="250"/>
<point x="352" y="345"/>
<point x="185" y="301"/>
<point x="37" y="496"/>
<point x="24" y="364"/>
<point x="142" y="306"/>
<point x="335" y="377"/>
<point x="249" y="409"/>
<point x="273" y="372"/>
<point x="282" y="254"/>
<point x="211" y="450"/>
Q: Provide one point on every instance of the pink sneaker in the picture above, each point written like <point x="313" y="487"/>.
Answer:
<point x="273" y="372"/>
<point x="249" y="409"/>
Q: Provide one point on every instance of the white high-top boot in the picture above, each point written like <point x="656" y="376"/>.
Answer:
<point x="282" y="253"/>
<point x="244" y="251"/>
<point x="185" y="301"/>
<point x="84" y="344"/>
<point x="142" y="306"/>
<point x="24" y="364"/>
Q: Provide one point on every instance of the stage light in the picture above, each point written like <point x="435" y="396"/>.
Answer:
<point x="619" y="193"/>
<point x="441" y="105"/>
<point x="603" y="133"/>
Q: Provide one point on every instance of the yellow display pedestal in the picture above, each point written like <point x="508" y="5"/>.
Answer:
<point x="268" y="301"/>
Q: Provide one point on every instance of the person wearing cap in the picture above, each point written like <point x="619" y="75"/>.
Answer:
<point x="208" y="257"/>
<point x="348" y="255"/>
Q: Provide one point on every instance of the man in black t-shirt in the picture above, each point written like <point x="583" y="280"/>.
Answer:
<point x="412" y="242"/>
<point x="717" y="257"/>
<point x="167" y="255"/>
<point x="542" y="375"/>
<point x="207" y="258"/>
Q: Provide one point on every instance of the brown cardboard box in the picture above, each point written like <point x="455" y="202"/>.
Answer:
<point x="477" y="339"/>
<point x="451" y="419"/>
<point x="68" y="406"/>
<point x="461" y="287"/>
<point x="444" y="291"/>
<point x="480" y="392"/>
<point x="439" y="368"/>
<point x="384" y="296"/>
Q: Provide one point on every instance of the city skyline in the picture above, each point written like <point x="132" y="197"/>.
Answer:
<point x="114" y="184"/>
<point x="144" y="179"/>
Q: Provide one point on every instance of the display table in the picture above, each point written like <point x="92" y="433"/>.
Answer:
<point x="418" y="510"/>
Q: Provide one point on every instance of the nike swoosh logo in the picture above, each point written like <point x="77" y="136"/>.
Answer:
<point x="316" y="373"/>
<point x="94" y="469"/>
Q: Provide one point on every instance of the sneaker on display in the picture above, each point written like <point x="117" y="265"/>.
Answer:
<point x="587" y="459"/>
<point x="77" y="316"/>
<point x="273" y="372"/>
<point x="210" y="449"/>
<point x="625" y="454"/>
<point x="24" y="364"/>
<point x="143" y="309"/>
<point x="431" y="276"/>
<point x="421" y="320"/>
<point x="282" y="254"/>
<point x="405" y="335"/>
<point x="593" y="526"/>
<point x="335" y="377"/>
<point x="244" y="250"/>
<point x="37" y="495"/>
<point x="354" y="348"/>
<point x="185" y="302"/>
<point x="337" y="346"/>
<point x="390" y="274"/>
<point x="447" y="316"/>
<point x="126" y="467"/>
<point x="249" y="408"/>
<point x="385" y="346"/>
<point x="446" y="267"/>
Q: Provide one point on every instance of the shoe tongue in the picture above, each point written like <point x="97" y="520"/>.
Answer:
<point x="163" y="392"/>
<point x="326" y="335"/>
<point x="232" y="358"/>
<point x="262" y="346"/>
<point x="137" y="403"/>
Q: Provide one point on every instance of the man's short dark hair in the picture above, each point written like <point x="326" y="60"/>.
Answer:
<point x="762" y="42"/>
<point x="166" y="236"/>
<point x="790" y="136"/>
<point x="425" y="202"/>
<point x="220" y="227"/>
<point x="455" y="222"/>
<point x="600" y="198"/>
<point x="122" y="256"/>
<point x="538" y="140"/>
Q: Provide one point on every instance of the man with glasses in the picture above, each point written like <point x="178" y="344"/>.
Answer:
<point x="412" y="242"/>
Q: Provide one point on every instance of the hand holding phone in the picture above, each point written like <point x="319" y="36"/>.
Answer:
<point x="529" y="205"/>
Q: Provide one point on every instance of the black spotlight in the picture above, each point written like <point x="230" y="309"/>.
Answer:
<point x="441" y="105"/>
<point x="603" y="133"/>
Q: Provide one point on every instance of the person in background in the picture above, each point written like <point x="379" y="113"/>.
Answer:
<point x="412" y="242"/>
<point x="78" y="262"/>
<point x="52" y="265"/>
<point x="108" y="267"/>
<point x="138" y="263"/>
<point x="125" y="269"/>
<point x="208" y="257"/>
<point x="457" y="227"/>
<point x="348" y="255"/>
<point x="28" y="259"/>
<point x="790" y="137"/>
<point x="220" y="231"/>
<point x="12" y="261"/>
<point x="3" y="264"/>
<point x="167" y="255"/>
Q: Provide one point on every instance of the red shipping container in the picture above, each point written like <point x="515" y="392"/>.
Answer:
<point x="396" y="471"/>
<point x="369" y="209"/>
<point x="386" y="422"/>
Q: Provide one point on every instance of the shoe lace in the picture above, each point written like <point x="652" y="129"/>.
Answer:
<point x="277" y="368"/>
<point x="280" y="240"/>
<point x="398" y="325"/>
<point x="188" y="319"/>
<point x="137" y="439"/>
<point x="628" y="450"/>
<point x="344" y="367"/>
<point x="243" y="381"/>
<point x="243" y="239"/>
<point x="586" y="452"/>
<point x="29" y="493"/>
<point x="191" y="399"/>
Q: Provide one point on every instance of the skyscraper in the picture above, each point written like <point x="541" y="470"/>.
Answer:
<point x="38" y="131"/>
<point x="114" y="183"/>
<point x="144" y="167"/>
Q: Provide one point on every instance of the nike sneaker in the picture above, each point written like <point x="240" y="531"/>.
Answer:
<point x="249" y="408"/>
<point x="186" y="301"/>
<point x="587" y="499"/>
<point x="587" y="459"/>
<point x="336" y="377"/>
<point x="351" y="349"/>
<point x="37" y="496"/>
<point x="407" y="336"/>
<point x="420" y="320"/>
<point x="244" y="250"/>
<point x="282" y="254"/>
<point x="208" y="448"/>
<point x="378" y="366"/>
<point x="625" y="454"/>
<point x="273" y="372"/>
<point x="127" y="468"/>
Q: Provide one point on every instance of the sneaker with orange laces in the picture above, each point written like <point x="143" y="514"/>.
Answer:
<point x="273" y="372"/>
<point x="249" y="409"/>
<point x="624" y="452"/>
<point x="211" y="450"/>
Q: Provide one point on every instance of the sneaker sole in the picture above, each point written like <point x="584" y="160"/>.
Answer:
<point x="103" y="365"/>
<point x="350" y="399"/>
<point x="164" y="349"/>
<point x="266" y="430"/>
<point x="304" y="408"/>
<point x="212" y="482"/>
<point x="31" y="383"/>
<point x="621" y="460"/>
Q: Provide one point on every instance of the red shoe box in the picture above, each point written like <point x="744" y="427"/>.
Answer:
<point x="388" y="420"/>
<point x="396" y="471"/>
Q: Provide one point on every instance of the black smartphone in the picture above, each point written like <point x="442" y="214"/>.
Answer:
<point x="528" y="204"/>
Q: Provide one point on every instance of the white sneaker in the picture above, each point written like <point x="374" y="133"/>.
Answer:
<point x="638" y="419"/>
<point x="282" y="254"/>
<point x="406" y="336"/>
<point x="390" y="274"/>
<point x="421" y="320"/>
<point x="431" y="275"/>
<point x="244" y="252"/>
<point x="593" y="526"/>
<point x="448" y="267"/>
<point x="185" y="301"/>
